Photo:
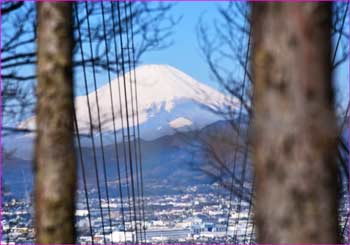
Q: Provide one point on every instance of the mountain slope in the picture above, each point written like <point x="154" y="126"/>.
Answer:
<point x="167" y="99"/>
<point x="169" y="165"/>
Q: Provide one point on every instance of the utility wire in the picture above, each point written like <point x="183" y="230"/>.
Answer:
<point x="113" y="118"/>
<point x="249" y="211"/>
<point x="99" y="119"/>
<point x="121" y="117"/>
<point x="251" y="234"/>
<point x="238" y="210"/>
<point x="127" y="121"/>
<point x="138" y="123"/>
<point x="82" y="165"/>
<point x="131" y="82"/>
<point x="90" y="120"/>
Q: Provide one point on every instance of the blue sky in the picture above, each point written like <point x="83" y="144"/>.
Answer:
<point x="185" y="54"/>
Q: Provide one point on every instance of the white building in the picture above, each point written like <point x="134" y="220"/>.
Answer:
<point x="121" y="236"/>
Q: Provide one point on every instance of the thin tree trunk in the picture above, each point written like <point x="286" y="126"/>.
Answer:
<point x="294" y="125"/>
<point x="55" y="179"/>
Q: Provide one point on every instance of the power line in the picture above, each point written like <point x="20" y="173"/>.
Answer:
<point x="245" y="159"/>
<point x="127" y="121"/>
<point x="121" y="117"/>
<point x="83" y="175"/>
<point x="251" y="234"/>
<point x="249" y="211"/>
<point x="98" y="118"/>
<point x="133" y="110"/>
<point x="138" y="122"/>
<point x="113" y="119"/>
<point x="90" y="120"/>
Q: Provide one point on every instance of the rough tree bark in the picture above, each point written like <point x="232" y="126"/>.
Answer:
<point x="55" y="179"/>
<point x="294" y="123"/>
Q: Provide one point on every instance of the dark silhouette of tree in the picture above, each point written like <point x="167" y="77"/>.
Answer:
<point x="223" y="44"/>
<point x="224" y="48"/>
<point x="55" y="168"/>
<point x="295" y="132"/>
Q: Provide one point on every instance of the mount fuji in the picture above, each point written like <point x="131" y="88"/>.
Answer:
<point x="168" y="101"/>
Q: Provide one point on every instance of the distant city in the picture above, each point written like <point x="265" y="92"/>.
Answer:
<point x="189" y="217"/>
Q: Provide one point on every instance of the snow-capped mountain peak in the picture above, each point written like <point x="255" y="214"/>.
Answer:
<point x="167" y="99"/>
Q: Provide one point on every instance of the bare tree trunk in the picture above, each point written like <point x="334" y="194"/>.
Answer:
<point x="55" y="180"/>
<point x="294" y="125"/>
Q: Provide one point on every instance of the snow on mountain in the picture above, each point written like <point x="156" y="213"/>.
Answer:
<point x="180" y="122"/>
<point x="168" y="99"/>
